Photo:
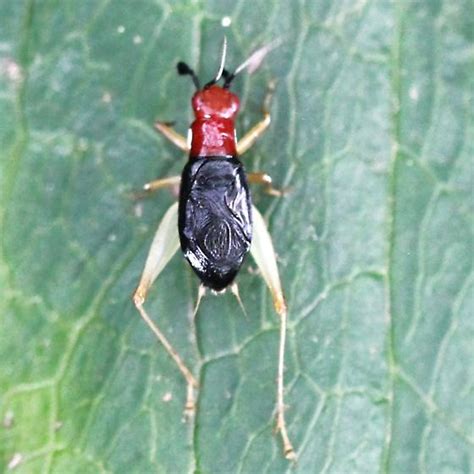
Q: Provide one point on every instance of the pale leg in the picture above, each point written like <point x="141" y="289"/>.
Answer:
<point x="174" y="137"/>
<point x="264" y="255"/>
<point x="162" y="183"/>
<point x="164" y="246"/>
<point x="266" y="180"/>
<point x="257" y="130"/>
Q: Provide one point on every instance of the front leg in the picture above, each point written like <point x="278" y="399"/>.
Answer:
<point x="172" y="135"/>
<point x="257" y="130"/>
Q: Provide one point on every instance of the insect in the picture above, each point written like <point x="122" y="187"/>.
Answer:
<point x="214" y="221"/>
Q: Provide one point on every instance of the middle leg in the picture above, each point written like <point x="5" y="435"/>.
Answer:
<point x="266" y="180"/>
<point x="155" y="185"/>
<point x="162" y="183"/>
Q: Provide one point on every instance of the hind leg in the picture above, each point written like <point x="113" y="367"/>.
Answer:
<point x="264" y="255"/>
<point x="164" y="246"/>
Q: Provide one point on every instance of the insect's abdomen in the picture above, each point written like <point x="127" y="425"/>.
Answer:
<point x="215" y="226"/>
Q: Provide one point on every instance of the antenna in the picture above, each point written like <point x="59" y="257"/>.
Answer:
<point x="221" y="69"/>
<point x="185" y="70"/>
<point x="253" y="62"/>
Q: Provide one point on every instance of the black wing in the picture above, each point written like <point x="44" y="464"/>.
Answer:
<point x="215" y="226"/>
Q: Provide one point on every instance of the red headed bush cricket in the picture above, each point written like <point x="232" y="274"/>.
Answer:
<point x="214" y="221"/>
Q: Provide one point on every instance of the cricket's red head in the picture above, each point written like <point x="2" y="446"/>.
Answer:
<point x="215" y="107"/>
<point x="215" y="102"/>
<point x="213" y="130"/>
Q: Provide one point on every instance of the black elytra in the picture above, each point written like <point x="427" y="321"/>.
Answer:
<point x="215" y="218"/>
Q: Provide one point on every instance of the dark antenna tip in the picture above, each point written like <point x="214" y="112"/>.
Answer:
<point x="185" y="70"/>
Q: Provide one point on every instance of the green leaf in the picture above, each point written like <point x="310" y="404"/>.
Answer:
<point x="372" y="130"/>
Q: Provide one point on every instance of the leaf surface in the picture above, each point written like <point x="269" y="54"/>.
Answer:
<point x="373" y="131"/>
